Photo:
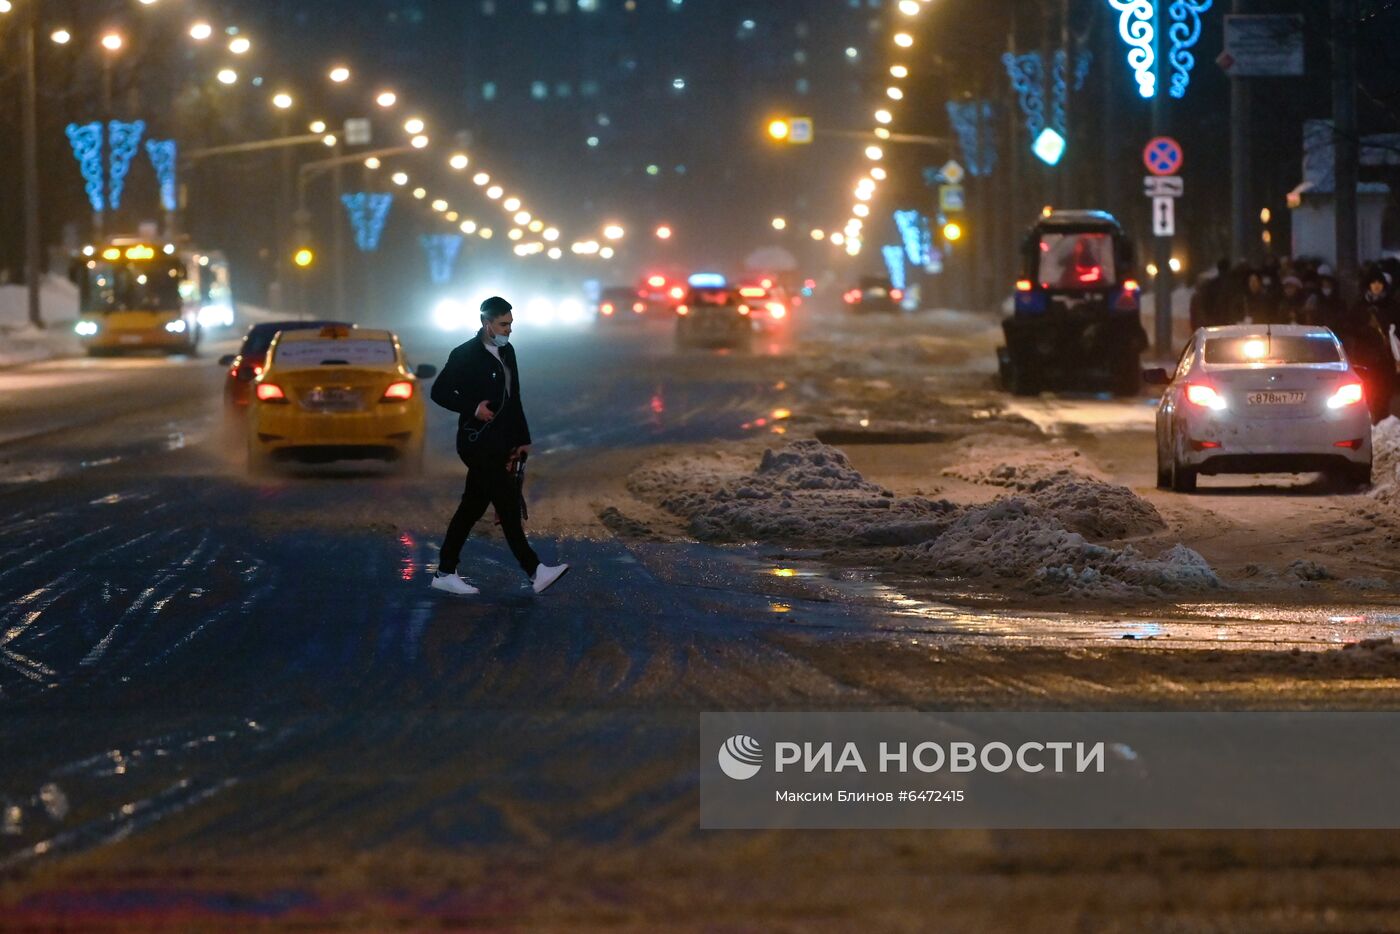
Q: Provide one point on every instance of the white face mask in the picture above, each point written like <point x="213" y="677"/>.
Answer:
<point x="500" y="340"/>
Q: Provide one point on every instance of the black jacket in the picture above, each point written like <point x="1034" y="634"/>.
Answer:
<point x="472" y="376"/>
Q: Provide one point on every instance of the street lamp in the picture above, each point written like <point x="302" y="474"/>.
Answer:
<point x="239" y="45"/>
<point x="386" y="99"/>
<point x="227" y="76"/>
<point x="614" y="232"/>
<point x="61" y="36"/>
<point x="663" y="232"/>
<point x="511" y="204"/>
<point x="903" y="40"/>
<point x="113" y="41"/>
<point x="419" y="142"/>
<point x="779" y="223"/>
<point x="201" y="31"/>
<point x="282" y="101"/>
<point x="339" y="74"/>
<point x="480" y="178"/>
<point x="459" y="161"/>
<point x="414" y="126"/>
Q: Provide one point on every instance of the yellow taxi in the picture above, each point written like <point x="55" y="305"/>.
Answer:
<point x="337" y="393"/>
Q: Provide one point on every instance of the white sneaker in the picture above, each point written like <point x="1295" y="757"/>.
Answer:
<point x="453" y="584"/>
<point x="546" y="576"/>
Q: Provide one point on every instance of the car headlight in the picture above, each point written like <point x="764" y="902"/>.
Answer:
<point x="175" y="327"/>
<point x="539" y="312"/>
<point x="85" y="328"/>
<point x="571" y="311"/>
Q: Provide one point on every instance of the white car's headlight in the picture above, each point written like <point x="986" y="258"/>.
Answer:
<point x="540" y="312"/>
<point x="571" y="311"/>
<point x="85" y="328"/>
<point x="175" y="327"/>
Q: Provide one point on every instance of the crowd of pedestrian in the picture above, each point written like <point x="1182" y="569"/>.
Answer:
<point x="1303" y="291"/>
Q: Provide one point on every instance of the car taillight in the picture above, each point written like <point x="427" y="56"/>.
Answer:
<point x="271" y="392"/>
<point x="682" y="310"/>
<point x="607" y="308"/>
<point x="852" y="297"/>
<point x="678" y="292"/>
<point x="777" y="310"/>
<point x="639" y="307"/>
<point x="743" y="309"/>
<point x="1346" y="394"/>
<point x="897" y="294"/>
<point x="401" y="391"/>
<point x="1131" y="285"/>
<point x="1024" y="285"/>
<point x="1204" y="396"/>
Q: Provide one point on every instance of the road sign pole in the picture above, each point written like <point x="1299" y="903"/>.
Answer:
<point x="1162" y="290"/>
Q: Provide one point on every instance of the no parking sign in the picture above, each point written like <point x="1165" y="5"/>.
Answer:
<point x="1163" y="156"/>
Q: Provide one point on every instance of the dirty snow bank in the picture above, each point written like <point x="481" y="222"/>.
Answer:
<point x="807" y="493"/>
<point x="1043" y="538"/>
<point x="1385" y="463"/>
<point x="1016" y="463"/>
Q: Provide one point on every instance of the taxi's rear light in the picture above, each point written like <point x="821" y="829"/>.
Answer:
<point x="271" y="392"/>
<point x="1354" y="444"/>
<point x="398" y="392"/>
<point x="1131" y="285"/>
<point x="1204" y="396"/>
<point x="682" y="310"/>
<point x="1024" y="285"/>
<point x="1346" y="394"/>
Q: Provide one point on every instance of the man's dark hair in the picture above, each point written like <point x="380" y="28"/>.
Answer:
<point x="495" y="307"/>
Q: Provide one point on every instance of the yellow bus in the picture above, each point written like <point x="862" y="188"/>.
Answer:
<point x="137" y="294"/>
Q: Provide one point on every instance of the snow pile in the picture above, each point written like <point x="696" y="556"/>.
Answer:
<point x="1045" y="538"/>
<point x="807" y="494"/>
<point x="1016" y="463"/>
<point x="1385" y="463"/>
<point x="20" y="342"/>
<point x="1025" y="540"/>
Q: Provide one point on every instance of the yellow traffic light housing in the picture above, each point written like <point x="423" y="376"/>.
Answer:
<point x="779" y="129"/>
<point x="304" y="257"/>
<point x="952" y="231"/>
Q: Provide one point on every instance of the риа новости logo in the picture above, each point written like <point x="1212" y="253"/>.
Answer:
<point x="740" y="757"/>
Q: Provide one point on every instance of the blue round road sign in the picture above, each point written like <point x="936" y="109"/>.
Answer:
<point x="1163" y="156"/>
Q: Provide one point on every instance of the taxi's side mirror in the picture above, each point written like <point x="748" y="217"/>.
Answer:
<point x="1156" y="376"/>
<point x="425" y="371"/>
<point x="227" y="359"/>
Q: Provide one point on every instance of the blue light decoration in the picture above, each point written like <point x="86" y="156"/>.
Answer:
<point x="894" y="262"/>
<point x="162" y="153"/>
<point x="124" y="140"/>
<point x="914" y="231"/>
<point x="974" y="122"/>
<point x="1028" y="80"/>
<point x="442" y="252"/>
<point x="1082" y="64"/>
<point x="1049" y="146"/>
<point x="368" y="212"/>
<point x="1137" y="29"/>
<point x="86" y="140"/>
<point x="1184" y="32"/>
<point x="1059" y="83"/>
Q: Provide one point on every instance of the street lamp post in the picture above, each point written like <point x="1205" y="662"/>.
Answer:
<point x="30" y="145"/>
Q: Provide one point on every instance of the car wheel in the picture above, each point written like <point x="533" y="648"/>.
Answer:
<point x="1351" y="478"/>
<point x="1183" y="479"/>
<point x="1022" y="381"/>
<point x="259" y="461"/>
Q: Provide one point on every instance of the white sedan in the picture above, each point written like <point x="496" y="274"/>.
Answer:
<point x="1262" y="399"/>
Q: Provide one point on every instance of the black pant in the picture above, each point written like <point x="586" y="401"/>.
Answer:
<point x="488" y="484"/>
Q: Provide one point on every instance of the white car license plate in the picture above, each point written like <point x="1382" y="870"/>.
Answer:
<point x="1292" y="397"/>
<point x="333" y="399"/>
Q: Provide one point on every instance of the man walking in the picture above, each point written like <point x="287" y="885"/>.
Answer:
<point x="481" y="383"/>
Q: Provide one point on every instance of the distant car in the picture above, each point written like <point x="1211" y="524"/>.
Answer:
<point x="713" y="316"/>
<point x="337" y="393"/>
<point x="247" y="365"/>
<point x="621" y="304"/>
<point x="1262" y="399"/>
<point x="874" y="294"/>
<point x="770" y="306"/>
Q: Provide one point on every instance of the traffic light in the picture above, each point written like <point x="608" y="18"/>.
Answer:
<point x="304" y="257"/>
<point x="798" y="130"/>
<point x="779" y="129"/>
<point x="952" y="231"/>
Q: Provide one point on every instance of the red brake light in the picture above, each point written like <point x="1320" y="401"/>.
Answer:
<point x="1024" y="285"/>
<point x="743" y="309"/>
<point x="607" y="308"/>
<point x="678" y="292"/>
<point x="401" y="391"/>
<point x="1204" y="396"/>
<point x="271" y="392"/>
<point x="897" y="294"/>
<point x="1131" y="285"/>
<point x="1346" y="394"/>
<point x="682" y="310"/>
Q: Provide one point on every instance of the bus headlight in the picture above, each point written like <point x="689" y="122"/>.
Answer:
<point x="85" y="328"/>
<point x="175" y="327"/>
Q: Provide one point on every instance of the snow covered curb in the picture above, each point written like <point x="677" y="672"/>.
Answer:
<point x="1048" y="538"/>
